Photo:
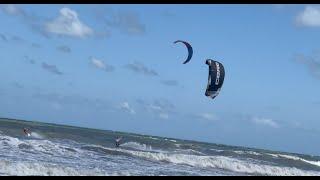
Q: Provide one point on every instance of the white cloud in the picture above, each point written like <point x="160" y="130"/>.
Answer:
<point x="266" y="122"/>
<point x="98" y="63"/>
<point x="126" y="107"/>
<point x="164" y="116"/>
<point x="158" y="109"/>
<point x="155" y="107"/>
<point x="208" y="116"/>
<point x="139" y="67"/>
<point x="69" y="24"/>
<point x="309" y="17"/>
<point x="128" y="22"/>
<point x="101" y="65"/>
<point x="11" y="9"/>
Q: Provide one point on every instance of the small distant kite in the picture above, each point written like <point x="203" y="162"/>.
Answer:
<point x="190" y="50"/>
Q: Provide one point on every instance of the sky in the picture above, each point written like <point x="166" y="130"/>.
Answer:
<point x="115" y="67"/>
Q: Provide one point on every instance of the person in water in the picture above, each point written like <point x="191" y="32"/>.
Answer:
<point x="26" y="131"/>
<point x="117" y="141"/>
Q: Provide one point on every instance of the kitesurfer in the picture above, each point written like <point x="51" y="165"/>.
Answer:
<point x="117" y="141"/>
<point x="26" y="131"/>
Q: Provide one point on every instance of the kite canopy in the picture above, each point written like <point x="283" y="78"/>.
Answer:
<point x="215" y="79"/>
<point x="190" y="50"/>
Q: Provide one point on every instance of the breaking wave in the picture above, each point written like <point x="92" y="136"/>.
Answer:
<point x="39" y="145"/>
<point x="58" y="152"/>
<point x="37" y="135"/>
<point x="295" y="158"/>
<point x="248" y="152"/>
<point x="43" y="169"/>
<point x="137" y="146"/>
<point x="220" y="162"/>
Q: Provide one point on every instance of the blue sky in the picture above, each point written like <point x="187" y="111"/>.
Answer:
<point x="115" y="67"/>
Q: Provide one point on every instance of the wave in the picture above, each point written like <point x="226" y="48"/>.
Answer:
<point x="295" y="158"/>
<point x="149" y="148"/>
<point x="171" y="140"/>
<point x="248" y="152"/>
<point x="189" y="151"/>
<point x="187" y="157"/>
<point x="137" y="146"/>
<point x="153" y="138"/>
<point x="219" y="162"/>
<point x="178" y="145"/>
<point x="217" y="150"/>
<point x="239" y="152"/>
<point x="39" y="145"/>
<point x="42" y="169"/>
<point x="9" y="141"/>
<point x="37" y="135"/>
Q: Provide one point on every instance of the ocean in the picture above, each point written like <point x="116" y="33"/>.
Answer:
<point x="57" y="150"/>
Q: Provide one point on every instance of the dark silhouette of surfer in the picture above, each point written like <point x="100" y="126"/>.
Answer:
<point x="118" y="141"/>
<point x="26" y="131"/>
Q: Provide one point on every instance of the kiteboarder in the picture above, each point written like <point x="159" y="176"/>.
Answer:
<point x="26" y="131"/>
<point x="117" y="141"/>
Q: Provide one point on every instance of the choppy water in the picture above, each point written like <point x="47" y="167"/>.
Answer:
<point x="63" y="150"/>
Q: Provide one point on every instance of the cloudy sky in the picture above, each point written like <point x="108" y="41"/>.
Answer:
<point x="115" y="67"/>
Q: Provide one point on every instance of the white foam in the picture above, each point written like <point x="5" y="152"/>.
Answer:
<point x="248" y="152"/>
<point x="217" y="150"/>
<point x="41" y="169"/>
<point x="190" y="151"/>
<point x="217" y="162"/>
<point x="178" y="145"/>
<point x="225" y="163"/>
<point x="137" y="146"/>
<point x="40" y="145"/>
<point x="153" y="138"/>
<point x="36" y="135"/>
<point x="10" y="141"/>
<point x="316" y="163"/>
<point x="47" y="146"/>
<point x="239" y="152"/>
<point x="220" y="162"/>
<point x="172" y="140"/>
